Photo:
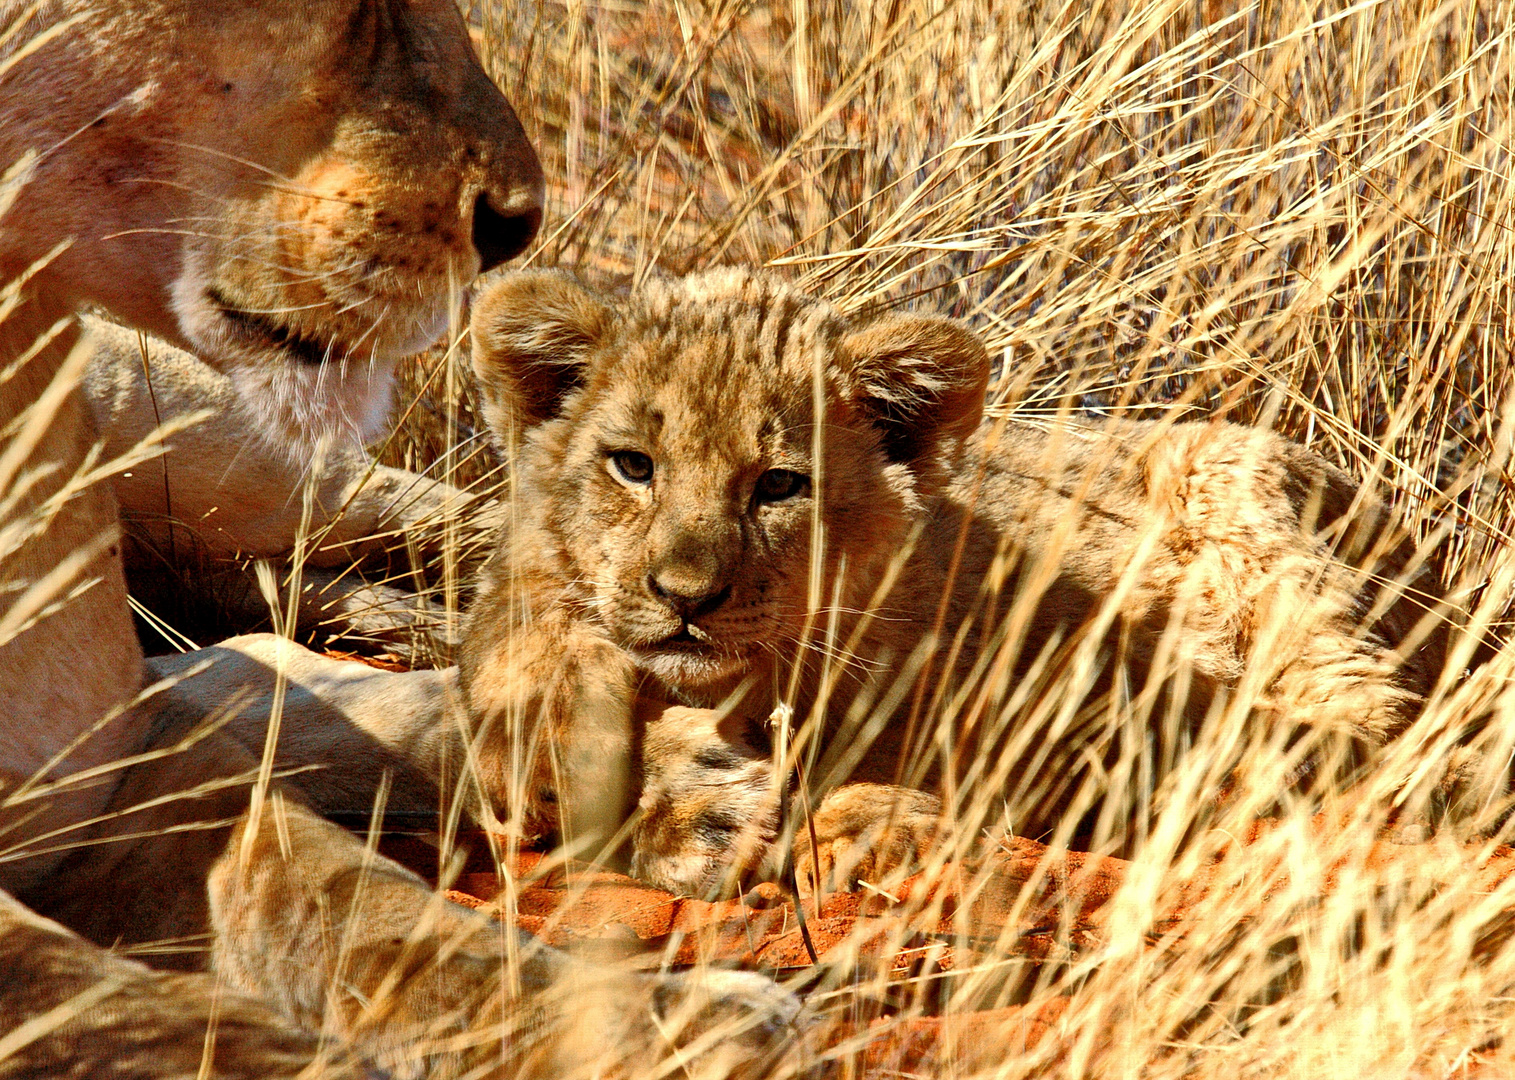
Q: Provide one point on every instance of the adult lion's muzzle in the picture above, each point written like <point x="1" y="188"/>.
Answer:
<point x="326" y="257"/>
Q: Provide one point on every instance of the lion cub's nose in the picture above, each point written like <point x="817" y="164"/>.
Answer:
<point x="690" y="600"/>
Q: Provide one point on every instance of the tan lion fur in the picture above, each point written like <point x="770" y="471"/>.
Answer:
<point x="294" y="192"/>
<point x="683" y="572"/>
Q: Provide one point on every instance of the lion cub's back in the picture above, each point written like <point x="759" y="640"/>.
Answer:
<point x="1230" y="525"/>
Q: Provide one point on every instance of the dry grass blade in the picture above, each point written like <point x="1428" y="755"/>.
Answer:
<point x="1300" y="216"/>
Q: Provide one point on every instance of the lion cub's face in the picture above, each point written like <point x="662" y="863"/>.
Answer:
<point x="684" y="452"/>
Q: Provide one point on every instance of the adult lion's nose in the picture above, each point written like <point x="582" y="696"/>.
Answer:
<point x="501" y="171"/>
<point x="499" y="235"/>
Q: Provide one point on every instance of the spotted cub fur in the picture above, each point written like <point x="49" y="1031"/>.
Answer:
<point x="729" y="495"/>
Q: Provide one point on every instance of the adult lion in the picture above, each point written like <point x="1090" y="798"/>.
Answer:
<point x="292" y="190"/>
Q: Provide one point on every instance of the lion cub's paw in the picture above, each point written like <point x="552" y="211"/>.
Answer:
<point x="709" y="808"/>
<point x="867" y="832"/>
<point x="709" y="814"/>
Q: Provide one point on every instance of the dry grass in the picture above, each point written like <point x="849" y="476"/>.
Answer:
<point x="1286" y="214"/>
<point x="1296" y="215"/>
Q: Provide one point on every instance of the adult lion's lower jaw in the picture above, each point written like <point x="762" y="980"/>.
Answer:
<point x="341" y="403"/>
<point x="302" y="389"/>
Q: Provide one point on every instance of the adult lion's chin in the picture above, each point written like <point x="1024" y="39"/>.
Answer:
<point x="303" y="383"/>
<point x="338" y="403"/>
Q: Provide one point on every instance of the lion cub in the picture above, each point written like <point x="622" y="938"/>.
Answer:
<point x="730" y="494"/>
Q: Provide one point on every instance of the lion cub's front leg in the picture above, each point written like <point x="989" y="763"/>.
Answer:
<point x="552" y="709"/>
<point x="709" y="814"/>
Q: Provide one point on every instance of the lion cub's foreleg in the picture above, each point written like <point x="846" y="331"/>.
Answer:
<point x="709" y="814"/>
<point x="552" y="708"/>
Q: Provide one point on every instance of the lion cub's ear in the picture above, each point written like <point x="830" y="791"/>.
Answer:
<point x="532" y="334"/>
<point x="922" y="378"/>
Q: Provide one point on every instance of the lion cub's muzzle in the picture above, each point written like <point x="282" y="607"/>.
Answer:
<point x="691" y="577"/>
<point x="676" y="632"/>
<point x="689" y="603"/>
<point x="687" y="592"/>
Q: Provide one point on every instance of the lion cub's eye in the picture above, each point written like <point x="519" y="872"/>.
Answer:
<point x="776" y="485"/>
<point x="632" y="466"/>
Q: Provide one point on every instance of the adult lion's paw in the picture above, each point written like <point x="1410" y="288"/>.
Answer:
<point x="734" y="1023"/>
<point x="867" y="832"/>
<point x="455" y="1002"/>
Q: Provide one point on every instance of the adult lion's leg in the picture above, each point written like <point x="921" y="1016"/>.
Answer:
<point x="339" y="937"/>
<point x="290" y="907"/>
<point x="279" y="903"/>
<point x="344" y="724"/>
<point x="69" y="1008"/>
